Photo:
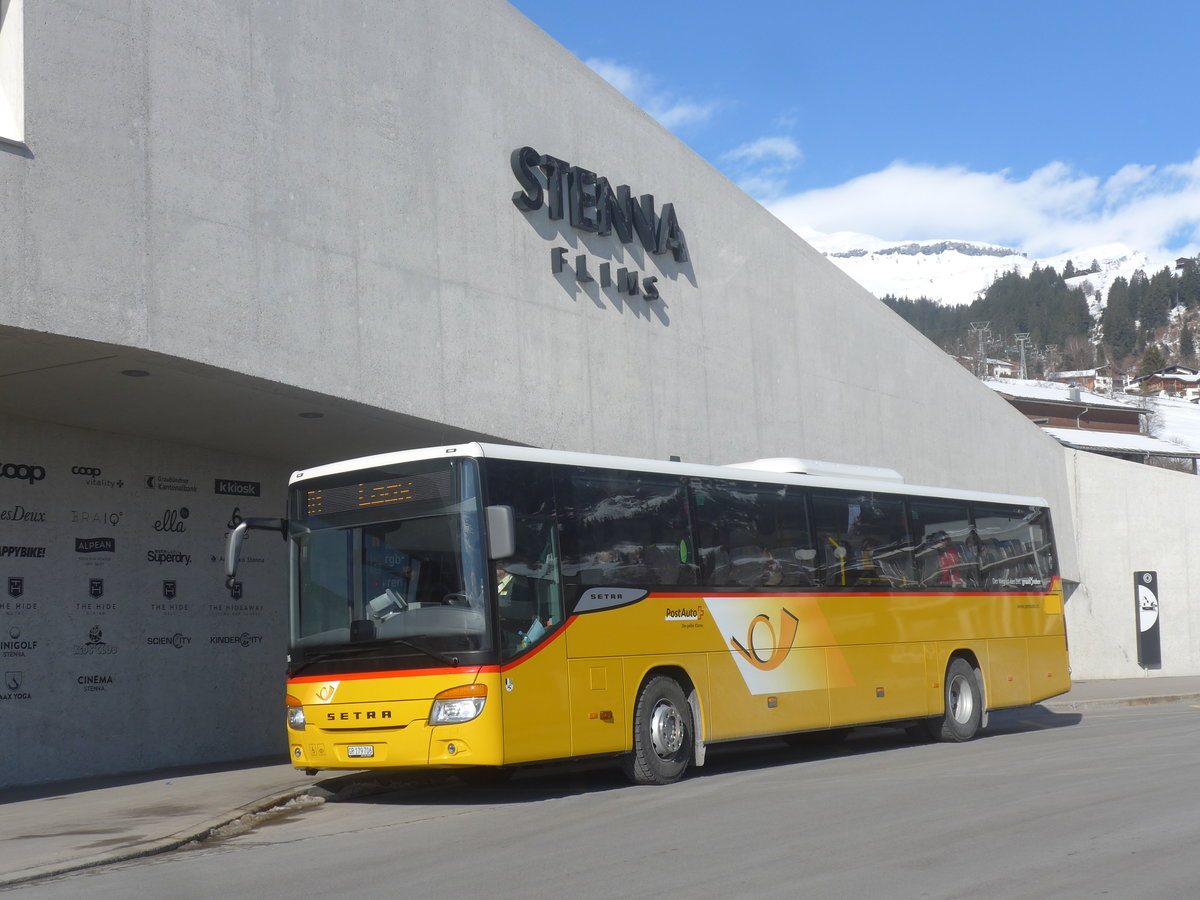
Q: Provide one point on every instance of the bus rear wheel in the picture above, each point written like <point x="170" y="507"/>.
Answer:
<point x="662" y="734"/>
<point x="964" y="704"/>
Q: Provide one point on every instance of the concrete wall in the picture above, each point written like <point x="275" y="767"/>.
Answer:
<point x="1133" y="518"/>
<point x="119" y="646"/>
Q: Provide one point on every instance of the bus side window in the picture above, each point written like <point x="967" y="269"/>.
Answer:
<point x="1015" y="552"/>
<point x="752" y="535"/>
<point x="946" y="545"/>
<point x="623" y="529"/>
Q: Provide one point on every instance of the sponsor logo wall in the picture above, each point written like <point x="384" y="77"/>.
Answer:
<point x="120" y="648"/>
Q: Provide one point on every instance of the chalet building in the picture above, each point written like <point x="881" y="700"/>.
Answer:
<point x="1081" y="420"/>
<point x="1102" y="379"/>
<point x="1173" y="381"/>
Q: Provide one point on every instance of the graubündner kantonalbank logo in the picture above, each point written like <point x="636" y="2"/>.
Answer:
<point x="592" y="204"/>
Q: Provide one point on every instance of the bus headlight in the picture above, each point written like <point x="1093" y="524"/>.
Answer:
<point x="295" y="714"/>
<point x="460" y="704"/>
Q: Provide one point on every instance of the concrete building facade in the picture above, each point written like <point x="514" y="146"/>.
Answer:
<point x="240" y="237"/>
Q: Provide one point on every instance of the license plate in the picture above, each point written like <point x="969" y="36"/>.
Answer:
<point x="360" y="751"/>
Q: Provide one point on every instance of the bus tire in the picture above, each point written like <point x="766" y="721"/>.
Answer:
<point x="964" y="704"/>
<point x="662" y="734"/>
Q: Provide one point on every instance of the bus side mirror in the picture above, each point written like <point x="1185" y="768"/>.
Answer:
<point x="502" y="532"/>
<point x="233" y="549"/>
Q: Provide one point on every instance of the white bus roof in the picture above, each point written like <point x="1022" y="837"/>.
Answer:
<point x="778" y="470"/>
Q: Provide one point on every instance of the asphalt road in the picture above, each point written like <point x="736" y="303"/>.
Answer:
<point x="1043" y="805"/>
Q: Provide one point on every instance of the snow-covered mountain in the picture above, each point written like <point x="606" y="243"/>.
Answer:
<point x="953" y="272"/>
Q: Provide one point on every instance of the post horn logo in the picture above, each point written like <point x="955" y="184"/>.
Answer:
<point x="779" y="648"/>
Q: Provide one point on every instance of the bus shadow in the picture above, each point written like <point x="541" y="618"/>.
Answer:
<point x="557" y="781"/>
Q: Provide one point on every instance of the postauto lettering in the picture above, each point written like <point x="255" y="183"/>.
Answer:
<point x="22" y="472"/>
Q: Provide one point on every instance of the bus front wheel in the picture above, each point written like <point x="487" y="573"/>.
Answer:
<point x="964" y="704"/>
<point x="662" y="734"/>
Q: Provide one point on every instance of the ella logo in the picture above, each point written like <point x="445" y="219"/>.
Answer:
<point x="761" y="633"/>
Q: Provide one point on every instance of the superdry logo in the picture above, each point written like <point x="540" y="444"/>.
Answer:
<point x="22" y="552"/>
<point x="244" y="639"/>
<point x="21" y="514"/>
<point x="237" y="488"/>
<point x="168" y="556"/>
<point x="22" y="472"/>
<point x="96" y="545"/>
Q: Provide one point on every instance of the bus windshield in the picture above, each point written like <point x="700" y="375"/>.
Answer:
<point x="391" y="560"/>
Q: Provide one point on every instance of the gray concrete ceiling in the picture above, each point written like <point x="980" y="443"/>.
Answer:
<point x="85" y="384"/>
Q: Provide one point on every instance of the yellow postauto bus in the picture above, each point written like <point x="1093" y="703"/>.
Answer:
<point x="491" y="606"/>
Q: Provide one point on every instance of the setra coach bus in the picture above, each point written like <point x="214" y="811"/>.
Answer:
<point x="490" y="606"/>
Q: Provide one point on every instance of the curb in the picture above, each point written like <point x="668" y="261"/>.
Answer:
<point x="154" y="846"/>
<point x="1116" y="702"/>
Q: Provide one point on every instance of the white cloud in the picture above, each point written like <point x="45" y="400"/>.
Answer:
<point x="761" y="167"/>
<point x="671" y="112"/>
<point x="1053" y="210"/>
<point x="769" y="149"/>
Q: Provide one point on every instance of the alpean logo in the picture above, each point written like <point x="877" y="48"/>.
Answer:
<point x="96" y="545"/>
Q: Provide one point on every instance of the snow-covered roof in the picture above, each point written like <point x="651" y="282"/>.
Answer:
<point x="1054" y="392"/>
<point x="1119" y="442"/>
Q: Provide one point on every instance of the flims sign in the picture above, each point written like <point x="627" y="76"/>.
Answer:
<point x="592" y="204"/>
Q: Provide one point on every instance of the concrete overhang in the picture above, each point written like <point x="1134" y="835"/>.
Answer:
<point x="86" y="384"/>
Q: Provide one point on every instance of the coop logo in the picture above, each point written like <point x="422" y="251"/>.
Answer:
<point x="237" y="488"/>
<point x="161" y="557"/>
<point x="95" y="645"/>
<point x="177" y="640"/>
<point x="172" y="520"/>
<point x="96" y="545"/>
<point x="92" y="474"/>
<point x="22" y="472"/>
<point x="19" y="513"/>
<point x="21" y="552"/>
<point x="170" y="483"/>
<point x="244" y="639"/>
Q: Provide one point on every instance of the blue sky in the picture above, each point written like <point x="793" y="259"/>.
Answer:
<point x="1052" y="126"/>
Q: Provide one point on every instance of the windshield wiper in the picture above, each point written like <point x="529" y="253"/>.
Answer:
<point x="324" y="656"/>
<point x="440" y="657"/>
<point x="357" y="650"/>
